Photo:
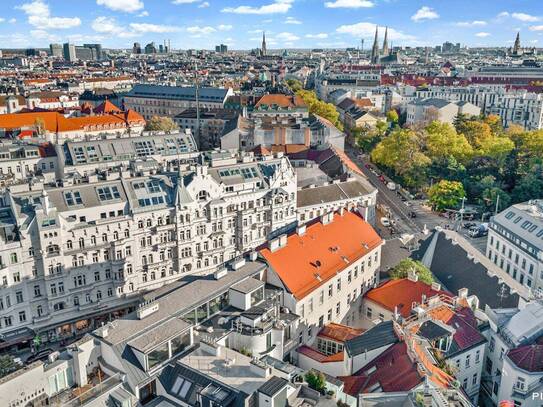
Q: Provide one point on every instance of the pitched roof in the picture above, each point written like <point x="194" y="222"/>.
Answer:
<point x="401" y="294"/>
<point x="107" y="107"/>
<point x="392" y="371"/>
<point x="380" y="335"/>
<point x="273" y="386"/>
<point x="319" y="356"/>
<point x="529" y="357"/>
<point x="339" y="333"/>
<point x="55" y="122"/>
<point x="310" y="260"/>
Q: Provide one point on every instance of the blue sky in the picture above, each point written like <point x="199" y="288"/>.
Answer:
<point x="288" y="23"/>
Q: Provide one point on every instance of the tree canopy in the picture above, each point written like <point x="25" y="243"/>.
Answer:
<point x="446" y="194"/>
<point x="320" y="108"/>
<point x="409" y="265"/>
<point x="160" y="123"/>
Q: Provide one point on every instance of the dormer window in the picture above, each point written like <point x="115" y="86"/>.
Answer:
<point x="202" y="195"/>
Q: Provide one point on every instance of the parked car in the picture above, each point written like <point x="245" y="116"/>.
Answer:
<point x="391" y="186"/>
<point x="469" y="225"/>
<point x="385" y="222"/>
<point x="40" y="355"/>
<point x="412" y="214"/>
<point x="382" y="179"/>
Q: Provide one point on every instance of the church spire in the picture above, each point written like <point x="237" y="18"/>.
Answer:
<point x="386" y="51"/>
<point x="375" y="49"/>
<point x="263" y="49"/>
<point x="516" y="47"/>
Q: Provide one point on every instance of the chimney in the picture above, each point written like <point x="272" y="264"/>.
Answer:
<point x="463" y="293"/>
<point x="412" y="276"/>
<point x="45" y="202"/>
<point x="301" y="229"/>
<point x="327" y="218"/>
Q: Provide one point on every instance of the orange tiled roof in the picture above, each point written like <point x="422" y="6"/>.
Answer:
<point x="321" y="357"/>
<point x="55" y="122"/>
<point x="401" y="293"/>
<point x="107" y="107"/>
<point x="288" y="148"/>
<point x="309" y="261"/>
<point x="281" y="101"/>
<point x="339" y="333"/>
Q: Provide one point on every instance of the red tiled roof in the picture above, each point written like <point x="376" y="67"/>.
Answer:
<point x="529" y="357"/>
<point x="463" y="321"/>
<point x="261" y="150"/>
<point x="347" y="161"/>
<point x="401" y="293"/>
<point x="339" y="333"/>
<point x="309" y="261"/>
<point x="320" y="357"/>
<point x="393" y="371"/>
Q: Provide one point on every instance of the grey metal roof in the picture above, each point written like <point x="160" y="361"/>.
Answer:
<point x="217" y="95"/>
<point x="435" y="102"/>
<point x="330" y="193"/>
<point x="273" y="386"/>
<point x="248" y="285"/>
<point x="159" y="334"/>
<point x="378" y="336"/>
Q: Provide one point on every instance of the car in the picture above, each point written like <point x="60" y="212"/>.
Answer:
<point x="367" y="166"/>
<point x="412" y="214"/>
<point x="382" y="179"/>
<point x="385" y="222"/>
<point x="40" y="355"/>
<point x="469" y="225"/>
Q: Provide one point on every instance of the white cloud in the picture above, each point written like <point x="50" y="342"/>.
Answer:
<point x="152" y="28"/>
<point x="197" y="30"/>
<point x="424" y="13"/>
<point x="144" y="13"/>
<point x="503" y="14"/>
<point x="107" y="25"/>
<point x="474" y="23"/>
<point x="536" y="28"/>
<point x="525" y="17"/>
<point x="287" y="37"/>
<point x="319" y="36"/>
<point x="205" y="4"/>
<point x="482" y="35"/>
<point x="129" y="6"/>
<point x="349" y="4"/>
<point x="278" y="6"/>
<point x="367" y="30"/>
<point x="2" y="20"/>
<point x="225" y="27"/>
<point x="292" y="20"/>
<point x="44" y="35"/>
<point x="12" y="20"/>
<point x="39" y="15"/>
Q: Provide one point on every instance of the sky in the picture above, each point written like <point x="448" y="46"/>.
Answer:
<point x="287" y="23"/>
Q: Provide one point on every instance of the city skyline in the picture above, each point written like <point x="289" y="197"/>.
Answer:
<point x="287" y="23"/>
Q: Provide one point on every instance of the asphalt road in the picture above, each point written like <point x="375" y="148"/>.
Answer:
<point x="399" y="209"/>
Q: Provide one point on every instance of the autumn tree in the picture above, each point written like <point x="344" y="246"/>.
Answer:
<point x="443" y="141"/>
<point x="320" y="108"/>
<point x="402" y="152"/>
<point x="446" y="194"/>
<point x="161" y="123"/>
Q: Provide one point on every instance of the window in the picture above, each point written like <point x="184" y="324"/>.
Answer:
<point x="108" y="193"/>
<point x="158" y="355"/>
<point x="73" y="198"/>
<point x="474" y="380"/>
<point x="520" y="384"/>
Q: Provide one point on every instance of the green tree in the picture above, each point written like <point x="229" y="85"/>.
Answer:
<point x="409" y="265"/>
<point x="320" y="108"/>
<point x="294" y="85"/>
<point x="393" y="117"/>
<point x="446" y="194"/>
<point x="160" y="123"/>
<point x="443" y="141"/>
<point x="402" y="152"/>
<point x="490" y="196"/>
<point x="316" y="380"/>
<point x="529" y="187"/>
<point x="7" y="365"/>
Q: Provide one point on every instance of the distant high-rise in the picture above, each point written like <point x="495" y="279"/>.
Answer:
<point x="263" y="49"/>
<point x="56" y="50"/>
<point x="150" y="48"/>
<point x="96" y="51"/>
<point x="386" y="51"/>
<point x="375" y="49"/>
<point x="221" y="49"/>
<point x="69" y="52"/>
<point x="136" y="49"/>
